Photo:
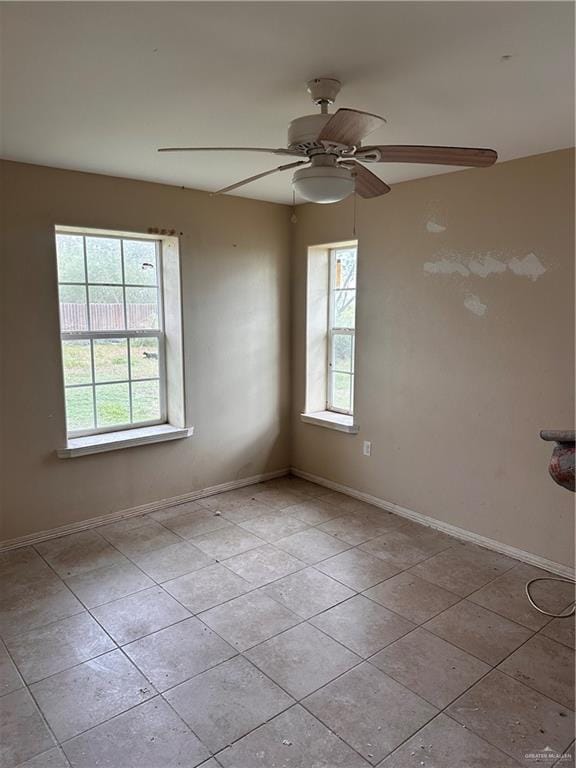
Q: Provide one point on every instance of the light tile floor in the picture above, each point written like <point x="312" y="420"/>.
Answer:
<point x="278" y="625"/>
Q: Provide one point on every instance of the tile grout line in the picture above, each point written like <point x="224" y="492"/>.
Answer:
<point x="296" y="701"/>
<point x="29" y="686"/>
<point x="26" y="688"/>
<point x="476" y="682"/>
<point x="362" y="660"/>
<point x="254" y="588"/>
<point x="239" y="655"/>
<point x="257" y="587"/>
<point x="367" y="660"/>
<point x="408" y="568"/>
<point x="242" y="654"/>
<point x="300" y="701"/>
<point x="16" y="667"/>
<point x="120" y="647"/>
<point x="193" y="615"/>
<point x="439" y="710"/>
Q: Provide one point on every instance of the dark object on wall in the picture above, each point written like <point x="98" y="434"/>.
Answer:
<point x="561" y="465"/>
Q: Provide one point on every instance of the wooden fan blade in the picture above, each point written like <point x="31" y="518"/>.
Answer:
<point x="280" y="151"/>
<point x="259" y="176"/>
<point x="349" y="127"/>
<point x="464" y="156"/>
<point x="367" y="184"/>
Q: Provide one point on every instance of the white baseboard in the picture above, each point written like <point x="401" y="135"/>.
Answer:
<point x="153" y="506"/>
<point x="439" y="525"/>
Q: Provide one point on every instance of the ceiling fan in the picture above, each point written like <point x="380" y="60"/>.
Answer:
<point x="331" y="145"/>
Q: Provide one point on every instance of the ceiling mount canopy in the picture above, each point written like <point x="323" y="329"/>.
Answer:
<point x="330" y="145"/>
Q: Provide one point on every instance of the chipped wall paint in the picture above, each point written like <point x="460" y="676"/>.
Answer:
<point x="485" y="264"/>
<point x="473" y="303"/>
<point x="446" y="266"/>
<point x="433" y="226"/>
<point x="435" y="218"/>
<point x="530" y="266"/>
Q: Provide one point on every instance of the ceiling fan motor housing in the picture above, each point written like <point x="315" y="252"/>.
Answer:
<point x="303" y="132"/>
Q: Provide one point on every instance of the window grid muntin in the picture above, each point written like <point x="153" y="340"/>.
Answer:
<point x="130" y="408"/>
<point x="126" y="334"/>
<point x="334" y="330"/>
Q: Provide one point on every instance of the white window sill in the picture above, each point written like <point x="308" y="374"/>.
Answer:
<point x="331" y="420"/>
<point x="114" y="441"/>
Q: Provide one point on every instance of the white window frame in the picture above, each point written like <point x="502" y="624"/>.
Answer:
<point x="334" y="330"/>
<point x="89" y="335"/>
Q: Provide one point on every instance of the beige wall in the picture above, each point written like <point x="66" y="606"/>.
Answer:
<point x="456" y="372"/>
<point x="235" y="267"/>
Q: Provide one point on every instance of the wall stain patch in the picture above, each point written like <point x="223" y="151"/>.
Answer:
<point x="433" y="226"/>
<point x="446" y="267"/>
<point x="530" y="266"/>
<point x="485" y="264"/>
<point x="473" y="303"/>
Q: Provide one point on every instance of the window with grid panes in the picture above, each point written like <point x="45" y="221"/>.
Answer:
<point x="111" y="325"/>
<point x="341" y="330"/>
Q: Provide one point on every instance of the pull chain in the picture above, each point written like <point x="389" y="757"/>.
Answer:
<point x="294" y="218"/>
<point x="354" y="219"/>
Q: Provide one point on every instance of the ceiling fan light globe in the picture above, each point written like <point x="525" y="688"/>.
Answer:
<point x="323" y="184"/>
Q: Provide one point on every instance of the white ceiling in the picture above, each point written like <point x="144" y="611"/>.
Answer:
<point x="99" y="86"/>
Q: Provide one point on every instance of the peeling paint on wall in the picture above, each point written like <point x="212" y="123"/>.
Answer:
<point x="530" y="266"/>
<point x="473" y="303"/>
<point x="435" y="217"/>
<point x="433" y="226"/>
<point x="485" y="264"/>
<point x="446" y="267"/>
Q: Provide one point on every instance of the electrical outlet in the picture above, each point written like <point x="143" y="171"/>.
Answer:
<point x="367" y="448"/>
